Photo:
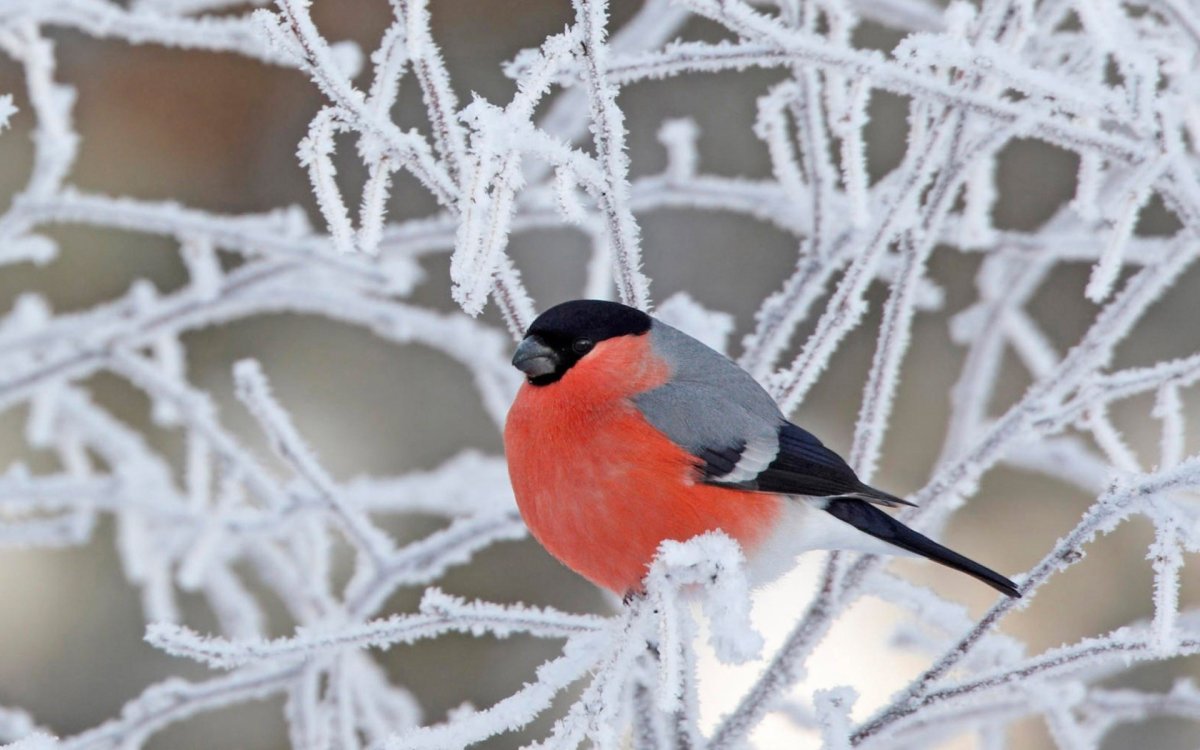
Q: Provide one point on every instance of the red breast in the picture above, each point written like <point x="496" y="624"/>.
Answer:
<point x="599" y="486"/>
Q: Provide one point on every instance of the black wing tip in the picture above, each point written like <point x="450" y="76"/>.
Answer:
<point x="870" y="520"/>
<point x="805" y="466"/>
<point x="884" y="498"/>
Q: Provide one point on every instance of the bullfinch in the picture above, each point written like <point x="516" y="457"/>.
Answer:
<point x="627" y="432"/>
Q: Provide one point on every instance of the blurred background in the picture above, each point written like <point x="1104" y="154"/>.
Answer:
<point x="219" y="132"/>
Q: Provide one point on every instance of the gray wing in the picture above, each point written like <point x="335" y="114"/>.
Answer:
<point x="722" y="416"/>
<point x="711" y="407"/>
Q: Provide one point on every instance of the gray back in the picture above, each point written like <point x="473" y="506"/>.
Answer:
<point x="710" y="403"/>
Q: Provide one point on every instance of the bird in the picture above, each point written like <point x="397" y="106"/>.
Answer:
<point x="627" y="432"/>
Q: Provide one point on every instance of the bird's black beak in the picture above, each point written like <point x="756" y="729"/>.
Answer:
<point x="534" y="358"/>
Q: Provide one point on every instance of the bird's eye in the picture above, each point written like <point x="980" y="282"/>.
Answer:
<point x="582" y="346"/>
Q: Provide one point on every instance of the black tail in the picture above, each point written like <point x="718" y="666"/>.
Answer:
<point x="871" y="520"/>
